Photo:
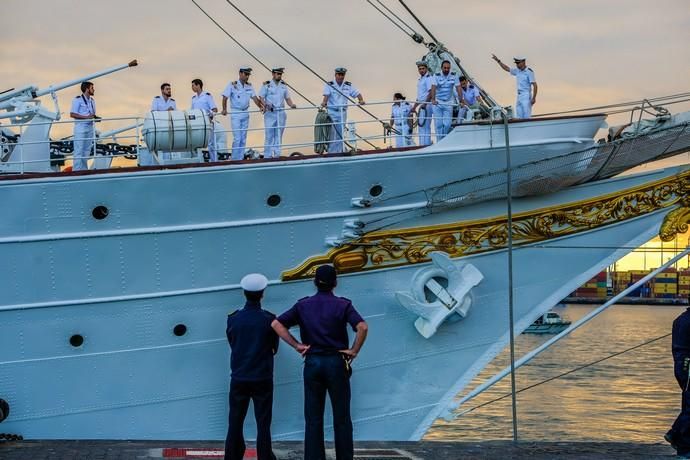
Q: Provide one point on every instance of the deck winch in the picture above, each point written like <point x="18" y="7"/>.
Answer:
<point x="439" y="292"/>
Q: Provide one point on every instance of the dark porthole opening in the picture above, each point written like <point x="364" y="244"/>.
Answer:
<point x="99" y="212"/>
<point x="76" y="340"/>
<point x="273" y="200"/>
<point x="376" y="190"/>
<point x="180" y="330"/>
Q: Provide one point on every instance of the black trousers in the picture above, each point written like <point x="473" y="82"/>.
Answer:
<point x="680" y="431"/>
<point x="261" y="393"/>
<point x="327" y="374"/>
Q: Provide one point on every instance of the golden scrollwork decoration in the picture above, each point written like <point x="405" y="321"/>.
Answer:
<point x="392" y="248"/>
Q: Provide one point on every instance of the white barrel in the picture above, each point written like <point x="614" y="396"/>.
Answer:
<point x="176" y="130"/>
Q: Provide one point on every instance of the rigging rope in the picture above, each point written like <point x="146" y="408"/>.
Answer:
<point x="620" y="104"/>
<point x="579" y="368"/>
<point x="301" y="62"/>
<point x="413" y="34"/>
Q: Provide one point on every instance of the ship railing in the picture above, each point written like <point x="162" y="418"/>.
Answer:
<point x="126" y="142"/>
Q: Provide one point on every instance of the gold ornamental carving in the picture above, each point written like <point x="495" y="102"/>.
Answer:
<point x="392" y="248"/>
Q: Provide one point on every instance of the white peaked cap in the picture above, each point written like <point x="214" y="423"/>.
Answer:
<point x="519" y="58"/>
<point x="254" y="282"/>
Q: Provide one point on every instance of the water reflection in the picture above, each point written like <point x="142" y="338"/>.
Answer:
<point x="631" y="397"/>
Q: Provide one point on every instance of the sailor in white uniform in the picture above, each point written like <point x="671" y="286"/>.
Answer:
<point x="446" y="85"/>
<point x="240" y="92"/>
<point x="400" y="117"/>
<point x="526" y="85"/>
<point x="471" y="99"/>
<point x="204" y="101"/>
<point x="84" y="112"/>
<point x="164" y="101"/>
<point x="336" y="96"/>
<point x="273" y="95"/>
<point x="424" y="96"/>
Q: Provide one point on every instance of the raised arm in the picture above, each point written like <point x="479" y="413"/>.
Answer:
<point x="360" y="338"/>
<point x="503" y="66"/>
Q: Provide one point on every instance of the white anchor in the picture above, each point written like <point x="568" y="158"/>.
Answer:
<point x="454" y="299"/>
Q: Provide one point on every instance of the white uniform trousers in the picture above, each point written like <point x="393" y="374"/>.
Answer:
<point x="402" y="137"/>
<point x="83" y="141"/>
<point x="424" y="118"/>
<point x="339" y="117"/>
<point x="523" y="106"/>
<point x="443" y="116"/>
<point x="274" y="126"/>
<point x="240" y="123"/>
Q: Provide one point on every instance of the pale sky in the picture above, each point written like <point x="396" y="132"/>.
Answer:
<point x="584" y="53"/>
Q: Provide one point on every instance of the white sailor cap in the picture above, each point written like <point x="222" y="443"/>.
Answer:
<point x="278" y="69"/>
<point x="519" y="58"/>
<point x="340" y="70"/>
<point x="254" y="282"/>
<point x="420" y="63"/>
<point x="246" y="69"/>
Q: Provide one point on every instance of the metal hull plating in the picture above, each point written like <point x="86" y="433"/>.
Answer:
<point x="172" y="250"/>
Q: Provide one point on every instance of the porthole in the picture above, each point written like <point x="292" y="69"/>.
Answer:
<point x="273" y="200"/>
<point x="376" y="190"/>
<point x="180" y="330"/>
<point x="99" y="212"/>
<point x="76" y="340"/>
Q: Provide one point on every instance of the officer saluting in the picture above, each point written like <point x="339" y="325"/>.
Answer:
<point x="424" y="96"/>
<point x="323" y="320"/>
<point x="164" y="101"/>
<point x="679" y="434"/>
<point x="273" y="95"/>
<point x="336" y="95"/>
<point x="253" y="343"/>
<point x="240" y="92"/>
<point x="526" y="85"/>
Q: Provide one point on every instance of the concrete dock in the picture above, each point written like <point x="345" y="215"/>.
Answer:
<point x="370" y="450"/>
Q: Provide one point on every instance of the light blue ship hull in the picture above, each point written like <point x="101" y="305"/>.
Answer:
<point x="172" y="251"/>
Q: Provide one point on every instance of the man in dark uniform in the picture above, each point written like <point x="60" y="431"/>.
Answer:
<point x="323" y="320"/>
<point x="679" y="434"/>
<point x="253" y="343"/>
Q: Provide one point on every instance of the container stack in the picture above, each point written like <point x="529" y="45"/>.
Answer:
<point x="594" y="288"/>
<point x="684" y="283"/>
<point x="665" y="284"/>
<point x="620" y="281"/>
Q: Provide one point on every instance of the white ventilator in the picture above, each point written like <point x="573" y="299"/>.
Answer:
<point x="176" y="130"/>
<point x="442" y="302"/>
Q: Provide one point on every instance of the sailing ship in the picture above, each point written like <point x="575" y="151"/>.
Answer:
<point x="117" y="281"/>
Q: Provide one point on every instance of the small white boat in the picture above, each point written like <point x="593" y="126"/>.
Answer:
<point x="548" y="323"/>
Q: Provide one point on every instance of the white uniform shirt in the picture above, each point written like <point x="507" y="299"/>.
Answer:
<point x="470" y="94"/>
<point x="400" y="112"/>
<point x="445" y="85"/>
<point x="424" y="85"/>
<point x="525" y="78"/>
<point x="274" y="94"/>
<point x="203" y="101"/>
<point x="159" y="103"/>
<point x="239" y="94"/>
<point x="83" y="105"/>
<point x="335" y="98"/>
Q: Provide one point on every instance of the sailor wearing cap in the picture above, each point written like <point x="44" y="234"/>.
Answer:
<point x="273" y="94"/>
<point x="240" y="92"/>
<point x="253" y="343"/>
<point x="203" y="101"/>
<point x="400" y="120"/>
<point x="84" y="112"/>
<point x="526" y="85"/>
<point x="323" y="319"/>
<point x="336" y="96"/>
<point x="424" y="96"/>
<point x="446" y="85"/>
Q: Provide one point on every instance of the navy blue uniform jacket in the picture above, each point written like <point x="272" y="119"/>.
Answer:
<point x="253" y="342"/>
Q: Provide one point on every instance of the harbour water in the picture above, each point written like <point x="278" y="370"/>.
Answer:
<point x="632" y="397"/>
